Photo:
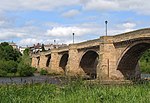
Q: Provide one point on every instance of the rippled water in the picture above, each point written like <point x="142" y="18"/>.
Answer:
<point x="42" y="79"/>
<point x="145" y="76"/>
<point x="30" y="80"/>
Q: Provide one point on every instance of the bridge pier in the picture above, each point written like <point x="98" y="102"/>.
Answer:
<point x="107" y="58"/>
<point x="54" y="63"/>
<point x="73" y="62"/>
<point x="35" y="61"/>
<point x="43" y="60"/>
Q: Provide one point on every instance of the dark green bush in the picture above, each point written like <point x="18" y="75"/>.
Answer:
<point x="25" y="70"/>
<point x="2" y="73"/>
<point x="145" y="62"/>
<point x="8" y="66"/>
<point x="43" y="72"/>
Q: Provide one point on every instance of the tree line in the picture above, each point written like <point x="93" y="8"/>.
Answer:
<point x="13" y="63"/>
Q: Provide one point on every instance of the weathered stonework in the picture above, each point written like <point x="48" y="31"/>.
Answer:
<point x="117" y="56"/>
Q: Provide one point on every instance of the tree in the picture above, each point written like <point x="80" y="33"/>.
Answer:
<point x="26" y="52"/>
<point x="8" y="53"/>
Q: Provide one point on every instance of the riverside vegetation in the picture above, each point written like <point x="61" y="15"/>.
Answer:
<point x="12" y="63"/>
<point x="75" y="92"/>
<point x="145" y="62"/>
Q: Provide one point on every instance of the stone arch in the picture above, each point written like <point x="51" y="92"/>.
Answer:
<point x="63" y="61"/>
<point x="89" y="62"/>
<point x="48" y="60"/>
<point x="128" y="62"/>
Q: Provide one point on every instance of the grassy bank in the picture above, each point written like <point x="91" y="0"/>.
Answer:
<point x="75" y="92"/>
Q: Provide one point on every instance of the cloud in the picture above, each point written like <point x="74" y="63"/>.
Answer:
<point x="129" y="25"/>
<point x="137" y="6"/>
<point x="71" y="13"/>
<point x="29" y="41"/>
<point x="6" y="34"/>
<point x="67" y="31"/>
<point x="100" y="5"/>
<point x="43" y="5"/>
<point x="122" y="28"/>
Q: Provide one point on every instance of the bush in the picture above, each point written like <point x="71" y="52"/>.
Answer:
<point x="43" y="72"/>
<point x="2" y="73"/>
<point x="8" y="66"/>
<point x="25" y="70"/>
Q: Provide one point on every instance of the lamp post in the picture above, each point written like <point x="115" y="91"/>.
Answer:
<point x="106" y="22"/>
<point x="73" y="37"/>
<point x="54" y="43"/>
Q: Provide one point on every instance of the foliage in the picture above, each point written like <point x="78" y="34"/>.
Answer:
<point x="2" y="73"/>
<point x="145" y="62"/>
<point x="26" y="52"/>
<point x="43" y="72"/>
<point x="8" y="53"/>
<point x="25" y="69"/>
<point x="8" y="66"/>
<point x="11" y="61"/>
<point x="76" y="92"/>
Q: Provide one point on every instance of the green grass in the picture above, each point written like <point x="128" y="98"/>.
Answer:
<point x="75" y="92"/>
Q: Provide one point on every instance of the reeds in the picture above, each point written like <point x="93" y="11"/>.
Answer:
<point x="75" y="92"/>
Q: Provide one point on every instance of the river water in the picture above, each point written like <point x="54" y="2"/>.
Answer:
<point x="42" y="79"/>
<point x="30" y="80"/>
<point x="145" y="76"/>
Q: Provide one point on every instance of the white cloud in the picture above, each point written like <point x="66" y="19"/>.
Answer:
<point x="129" y="25"/>
<point x="71" y="13"/>
<point x="6" y="34"/>
<point x="29" y="41"/>
<point x="45" y="5"/>
<point x="122" y="28"/>
<point x="67" y="31"/>
<point x="101" y="5"/>
<point x="138" y="6"/>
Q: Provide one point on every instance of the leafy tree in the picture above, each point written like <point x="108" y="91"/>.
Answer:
<point x="26" y="58"/>
<point x="8" y="53"/>
<point x="26" y="52"/>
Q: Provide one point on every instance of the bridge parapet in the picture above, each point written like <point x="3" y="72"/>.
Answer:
<point x="142" y="33"/>
<point x="89" y="43"/>
<point x="35" y="55"/>
<point x="63" y="49"/>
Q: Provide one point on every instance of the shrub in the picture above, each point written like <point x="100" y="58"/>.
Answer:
<point x="25" y="70"/>
<point x="43" y="72"/>
<point x="8" y="66"/>
<point x="2" y="73"/>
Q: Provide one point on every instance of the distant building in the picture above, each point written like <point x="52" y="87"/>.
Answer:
<point x="48" y="46"/>
<point x="36" y="48"/>
<point x="13" y="45"/>
<point x="21" y="49"/>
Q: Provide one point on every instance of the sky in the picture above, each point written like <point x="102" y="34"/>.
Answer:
<point x="27" y="22"/>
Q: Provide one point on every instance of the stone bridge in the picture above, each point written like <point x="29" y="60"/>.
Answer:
<point x="109" y="57"/>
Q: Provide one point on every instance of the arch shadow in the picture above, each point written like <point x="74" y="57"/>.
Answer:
<point x="128" y="63"/>
<point x="63" y="61"/>
<point x="89" y="62"/>
<point x="48" y="61"/>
